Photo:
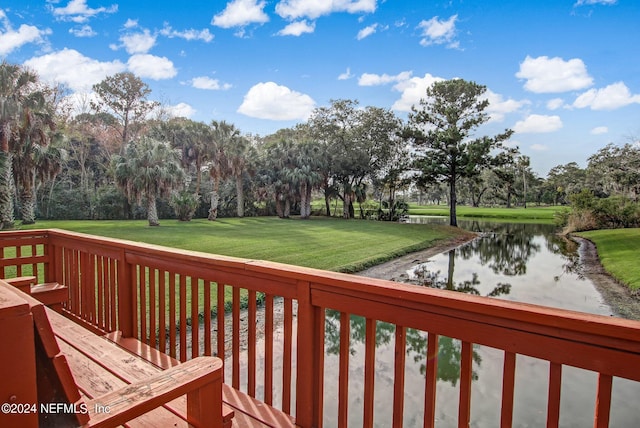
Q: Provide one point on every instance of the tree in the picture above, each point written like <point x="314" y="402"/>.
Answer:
<point x="360" y="142"/>
<point x="125" y="96"/>
<point x="223" y="134"/>
<point x="441" y="130"/>
<point x="149" y="169"/>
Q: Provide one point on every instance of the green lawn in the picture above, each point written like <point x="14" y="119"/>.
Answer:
<point x="618" y="250"/>
<point x="517" y="214"/>
<point x="324" y="243"/>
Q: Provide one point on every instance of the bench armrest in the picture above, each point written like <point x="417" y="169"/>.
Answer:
<point x="199" y="378"/>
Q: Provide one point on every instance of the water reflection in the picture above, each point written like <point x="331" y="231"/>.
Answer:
<point x="449" y="350"/>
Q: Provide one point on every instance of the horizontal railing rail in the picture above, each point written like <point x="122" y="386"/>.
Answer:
<point x="271" y="322"/>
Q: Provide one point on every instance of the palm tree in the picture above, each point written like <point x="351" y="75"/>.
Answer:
<point x="16" y="89"/>
<point x="224" y="134"/>
<point x="30" y="152"/>
<point x="148" y="170"/>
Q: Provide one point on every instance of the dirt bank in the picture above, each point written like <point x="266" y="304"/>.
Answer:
<point x="623" y="302"/>
<point x="392" y="269"/>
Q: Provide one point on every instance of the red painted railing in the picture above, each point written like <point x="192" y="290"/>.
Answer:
<point x="159" y="295"/>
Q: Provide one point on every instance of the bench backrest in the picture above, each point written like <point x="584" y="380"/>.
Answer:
<point x="55" y="381"/>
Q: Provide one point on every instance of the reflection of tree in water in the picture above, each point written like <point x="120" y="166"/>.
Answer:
<point x="505" y="247"/>
<point x="567" y="249"/>
<point x="449" y="349"/>
<point x="425" y="277"/>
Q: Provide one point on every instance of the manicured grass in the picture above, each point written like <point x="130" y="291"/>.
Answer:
<point x="324" y="243"/>
<point x="545" y="214"/>
<point x="618" y="251"/>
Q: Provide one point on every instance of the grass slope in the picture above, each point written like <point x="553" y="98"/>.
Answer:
<point x="618" y="251"/>
<point x="517" y="214"/>
<point x="323" y="243"/>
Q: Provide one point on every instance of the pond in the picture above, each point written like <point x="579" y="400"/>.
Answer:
<point x="519" y="262"/>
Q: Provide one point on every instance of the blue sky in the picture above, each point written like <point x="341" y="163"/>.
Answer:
<point x="565" y="75"/>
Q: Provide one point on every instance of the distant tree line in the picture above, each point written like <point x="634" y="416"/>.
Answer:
<point x="124" y="157"/>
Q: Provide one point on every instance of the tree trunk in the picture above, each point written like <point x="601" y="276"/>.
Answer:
<point x="213" y="211"/>
<point x="308" y="207"/>
<point x="27" y="206"/>
<point x="7" y="220"/>
<point x="240" y="196"/>
<point x="453" y="200"/>
<point x="152" y="211"/>
<point x="303" y="200"/>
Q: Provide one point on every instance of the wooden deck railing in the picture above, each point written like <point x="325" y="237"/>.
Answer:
<point x="163" y="296"/>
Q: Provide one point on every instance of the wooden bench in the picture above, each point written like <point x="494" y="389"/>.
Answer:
<point x="51" y="294"/>
<point x="80" y="368"/>
<point x="248" y="411"/>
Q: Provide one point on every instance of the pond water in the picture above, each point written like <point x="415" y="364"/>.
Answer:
<point x="519" y="262"/>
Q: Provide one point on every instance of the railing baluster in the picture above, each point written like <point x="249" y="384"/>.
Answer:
<point x="152" y="306"/>
<point x="553" y="405"/>
<point x="268" y="349"/>
<point x="162" y="310"/>
<point x="431" y="380"/>
<point x="143" y="305"/>
<point x="207" y="318"/>
<point x="466" y="360"/>
<point x="343" y="376"/>
<point x="251" y="338"/>
<point x="235" y="341"/>
<point x="508" y="386"/>
<point x="19" y="265"/>
<point x="195" y="318"/>
<point x="398" y="375"/>
<point x="603" y="401"/>
<point x="369" y="371"/>
<point x="100" y="291"/>
<point x="113" y="295"/>
<point x="286" y="363"/>
<point x="172" y="314"/>
<point x="318" y="370"/>
<point x="220" y="321"/>
<point x="183" y="318"/>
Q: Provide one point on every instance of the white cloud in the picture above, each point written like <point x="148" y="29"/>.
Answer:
<point x="73" y="69"/>
<point x="11" y="39"/>
<point x="438" y="32"/>
<point x="537" y="124"/>
<point x="298" y="28"/>
<point x="191" y="34"/>
<point x="181" y="110"/>
<point x="413" y="90"/>
<point x="553" y="75"/>
<point x="268" y="100"/>
<point x="591" y="2"/>
<point x="131" y="23"/>
<point x="555" y="103"/>
<point x="346" y="75"/>
<point x="239" y="13"/>
<point x="84" y="31"/>
<point x="204" y="82"/>
<point x="78" y="11"/>
<point x="499" y="107"/>
<point x="368" y="79"/>
<point x="367" y="31"/>
<point x="611" y="97"/>
<point x="539" y="147"/>
<point x="598" y="130"/>
<point x="296" y="9"/>
<point x="138" y="43"/>
<point x="151" y="66"/>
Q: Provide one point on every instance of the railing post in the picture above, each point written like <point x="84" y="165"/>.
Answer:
<point x="308" y="412"/>
<point x="125" y="300"/>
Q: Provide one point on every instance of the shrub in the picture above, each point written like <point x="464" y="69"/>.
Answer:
<point x="184" y="204"/>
